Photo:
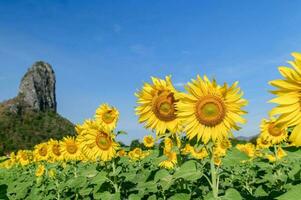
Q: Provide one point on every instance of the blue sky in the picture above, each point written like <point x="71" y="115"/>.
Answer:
<point x="102" y="51"/>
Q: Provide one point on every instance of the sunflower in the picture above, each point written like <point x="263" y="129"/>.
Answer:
<point x="55" y="153"/>
<point x="70" y="148"/>
<point x="289" y="98"/>
<point x="271" y="158"/>
<point x="262" y="143"/>
<point x="137" y="154"/>
<point x="148" y="141"/>
<point x="52" y="173"/>
<point x="98" y="142"/>
<point x="247" y="148"/>
<point x="221" y="147"/>
<point x="168" y="144"/>
<point x="272" y="132"/>
<point x="107" y="116"/>
<point x="199" y="153"/>
<point x="121" y="153"/>
<point x="24" y="157"/>
<point x="41" y="152"/>
<point x="217" y="160"/>
<point x="156" y="106"/>
<point x="40" y="170"/>
<point x="82" y="128"/>
<point x="171" y="160"/>
<point x="209" y="111"/>
<point x="281" y="153"/>
<point x="187" y="149"/>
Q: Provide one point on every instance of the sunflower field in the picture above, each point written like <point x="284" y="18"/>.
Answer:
<point x="192" y="153"/>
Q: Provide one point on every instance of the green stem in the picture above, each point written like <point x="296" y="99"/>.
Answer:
<point x="213" y="178"/>
<point x="275" y="151"/>
<point x="57" y="190"/>
<point x="115" y="178"/>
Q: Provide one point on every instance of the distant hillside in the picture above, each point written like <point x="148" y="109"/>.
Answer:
<point x="31" y="117"/>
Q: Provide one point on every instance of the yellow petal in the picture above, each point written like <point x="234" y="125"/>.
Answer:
<point x="295" y="137"/>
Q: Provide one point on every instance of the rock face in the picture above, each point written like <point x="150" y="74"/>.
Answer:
<point x="37" y="88"/>
<point x="31" y="118"/>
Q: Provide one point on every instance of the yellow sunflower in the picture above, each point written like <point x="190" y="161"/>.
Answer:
<point x="272" y="132"/>
<point x="168" y="144"/>
<point x="82" y="128"/>
<point x="262" y="143"/>
<point x="40" y="170"/>
<point x="156" y="106"/>
<point x="98" y="142"/>
<point x="209" y="111"/>
<point x="171" y="160"/>
<point x="221" y="147"/>
<point x="52" y="173"/>
<point x="41" y="152"/>
<point x="187" y="149"/>
<point x="217" y="160"/>
<point x="24" y="157"/>
<point x="247" y="148"/>
<point x="270" y="157"/>
<point x="199" y="153"/>
<point x="107" y="116"/>
<point x="55" y="153"/>
<point x="121" y="153"/>
<point x="70" y="148"/>
<point x="137" y="154"/>
<point x="289" y="98"/>
<point x="148" y="141"/>
<point x="281" y="153"/>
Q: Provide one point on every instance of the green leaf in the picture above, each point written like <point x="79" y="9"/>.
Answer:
<point x="89" y="173"/>
<point x="180" y="196"/>
<point x="234" y="157"/>
<point x="259" y="192"/>
<point x="188" y="171"/>
<point x="117" y="171"/>
<point x="77" y="182"/>
<point x="153" y="197"/>
<point x="134" y="197"/>
<point x="232" y="194"/>
<point x="149" y="186"/>
<point x="292" y="194"/>
<point x="161" y="174"/>
<point x="85" y="191"/>
<point x="99" y="179"/>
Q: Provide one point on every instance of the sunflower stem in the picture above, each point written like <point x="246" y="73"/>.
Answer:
<point x="275" y="151"/>
<point x="57" y="190"/>
<point x="115" y="178"/>
<point x="214" y="176"/>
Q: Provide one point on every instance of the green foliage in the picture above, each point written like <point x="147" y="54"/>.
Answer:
<point x="240" y="178"/>
<point x="24" y="130"/>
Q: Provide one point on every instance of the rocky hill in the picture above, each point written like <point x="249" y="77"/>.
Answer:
<point x="31" y="117"/>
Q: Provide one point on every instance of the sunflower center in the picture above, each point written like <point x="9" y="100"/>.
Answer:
<point x="149" y="140"/>
<point x="210" y="110"/>
<point x="108" y="117"/>
<point x="56" y="150"/>
<point x="275" y="130"/>
<point x="43" y="151"/>
<point x="24" y="156"/>
<point x="72" y="148"/>
<point x="103" y="141"/>
<point x="164" y="107"/>
<point x="264" y="142"/>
